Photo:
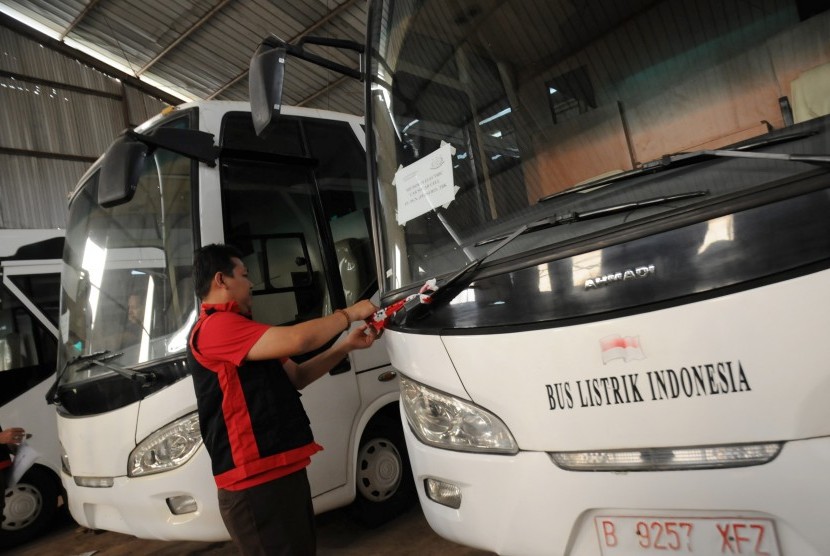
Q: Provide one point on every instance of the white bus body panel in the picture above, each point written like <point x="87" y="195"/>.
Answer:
<point x="94" y="445"/>
<point x="775" y="334"/>
<point x="31" y="412"/>
<point x="338" y="411"/>
<point x="774" y="337"/>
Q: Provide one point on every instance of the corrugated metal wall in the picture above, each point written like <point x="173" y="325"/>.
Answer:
<point x="57" y="116"/>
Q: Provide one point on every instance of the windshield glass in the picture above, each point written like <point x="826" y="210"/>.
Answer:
<point x="486" y="113"/>
<point x="126" y="283"/>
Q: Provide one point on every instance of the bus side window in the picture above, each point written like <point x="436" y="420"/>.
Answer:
<point x="10" y="357"/>
<point x="344" y="191"/>
<point x="27" y="348"/>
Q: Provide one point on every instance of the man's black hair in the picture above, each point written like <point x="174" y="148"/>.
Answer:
<point x="209" y="260"/>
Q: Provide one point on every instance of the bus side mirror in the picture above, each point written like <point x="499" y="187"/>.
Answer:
<point x="120" y="171"/>
<point x="124" y="160"/>
<point x="265" y="80"/>
<point x="267" y="72"/>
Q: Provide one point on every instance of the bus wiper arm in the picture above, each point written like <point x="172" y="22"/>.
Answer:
<point x="572" y="217"/>
<point x="470" y="268"/>
<point x="96" y="358"/>
<point x="141" y="377"/>
<point x="680" y="159"/>
<point x="51" y="394"/>
<point x="414" y="306"/>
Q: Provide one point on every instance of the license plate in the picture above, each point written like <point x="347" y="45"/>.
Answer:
<point x="635" y="536"/>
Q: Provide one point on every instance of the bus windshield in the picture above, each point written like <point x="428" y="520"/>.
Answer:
<point x="126" y="286"/>
<point x="490" y="114"/>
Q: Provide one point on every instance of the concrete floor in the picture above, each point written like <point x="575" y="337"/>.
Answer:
<point x="337" y="534"/>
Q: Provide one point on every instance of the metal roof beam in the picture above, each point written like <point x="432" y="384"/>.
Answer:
<point x="324" y="90"/>
<point x="78" y="19"/>
<point x="195" y="27"/>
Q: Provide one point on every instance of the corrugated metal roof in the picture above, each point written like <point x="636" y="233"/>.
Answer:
<point x="202" y="48"/>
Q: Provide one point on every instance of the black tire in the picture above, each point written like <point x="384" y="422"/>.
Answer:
<point x="31" y="506"/>
<point x="385" y="488"/>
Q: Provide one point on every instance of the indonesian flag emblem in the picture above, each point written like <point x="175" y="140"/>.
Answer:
<point x="626" y="348"/>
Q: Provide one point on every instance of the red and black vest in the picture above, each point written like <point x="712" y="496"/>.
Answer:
<point x="5" y="457"/>
<point x="250" y="416"/>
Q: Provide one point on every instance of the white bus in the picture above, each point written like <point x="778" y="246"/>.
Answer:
<point x="640" y="365"/>
<point x="297" y="205"/>
<point x="30" y="268"/>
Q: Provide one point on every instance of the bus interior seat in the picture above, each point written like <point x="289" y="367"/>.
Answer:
<point x="810" y="96"/>
<point x="349" y="262"/>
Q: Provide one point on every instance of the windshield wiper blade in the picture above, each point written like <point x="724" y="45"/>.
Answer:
<point x="414" y="308"/>
<point x="575" y="216"/>
<point x="476" y="263"/>
<point x="626" y="207"/>
<point x="97" y="358"/>
<point x="680" y="159"/>
<point x="51" y="396"/>
<point x="674" y="160"/>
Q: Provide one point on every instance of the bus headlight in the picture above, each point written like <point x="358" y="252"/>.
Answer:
<point x="444" y="421"/>
<point x="167" y="448"/>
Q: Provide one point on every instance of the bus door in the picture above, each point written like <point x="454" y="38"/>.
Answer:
<point x="272" y="211"/>
<point x="28" y="351"/>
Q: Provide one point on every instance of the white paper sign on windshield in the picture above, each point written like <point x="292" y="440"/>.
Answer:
<point x="426" y="184"/>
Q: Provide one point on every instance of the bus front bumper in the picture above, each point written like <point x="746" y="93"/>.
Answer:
<point x="140" y="506"/>
<point x="525" y="504"/>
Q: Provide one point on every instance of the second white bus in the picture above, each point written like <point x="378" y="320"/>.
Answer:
<point x="296" y="204"/>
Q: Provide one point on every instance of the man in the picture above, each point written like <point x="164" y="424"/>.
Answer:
<point x="9" y="437"/>
<point x="252" y="422"/>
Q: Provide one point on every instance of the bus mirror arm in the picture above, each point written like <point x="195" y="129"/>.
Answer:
<point x="194" y="144"/>
<point x="299" y="52"/>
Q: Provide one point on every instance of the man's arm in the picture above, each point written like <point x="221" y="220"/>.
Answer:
<point x="285" y="341"/>
<point x="303" y="374"/>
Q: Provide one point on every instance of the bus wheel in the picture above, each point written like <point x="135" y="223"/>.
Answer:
<point x="31" y="505"/>
<point x="385" y="488"/>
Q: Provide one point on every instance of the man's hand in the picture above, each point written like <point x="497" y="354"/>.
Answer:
<point x="307" y="372"/>
<point x="361" y="337"/>
<point x="14" y="435"/>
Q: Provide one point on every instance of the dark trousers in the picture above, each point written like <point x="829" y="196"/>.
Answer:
<point x="3" y="493"/>
<point x="274" y="518"/>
